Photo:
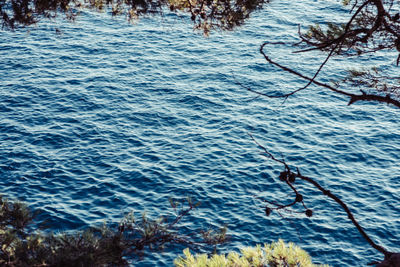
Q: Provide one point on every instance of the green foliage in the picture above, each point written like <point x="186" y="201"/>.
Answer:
<point x="373" y="26"/>
<point x="332" y="31"/>
<point x="214" y="237"/>
<point x="221" y="14"/>
<point x="274" y="255"/>
<point x="373" y="79"/>
<point x="110" y="246"/>
<point x="346" y="2"/>
<point x="20" y="245"/>
<point x="324" y="36"/>
<point x="205" y="14"/>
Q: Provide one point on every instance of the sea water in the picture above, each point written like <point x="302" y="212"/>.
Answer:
<point x="99" y="117"/>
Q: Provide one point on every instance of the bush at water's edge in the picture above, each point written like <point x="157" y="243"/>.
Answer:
<point x="274" y="254"/>
<point x="21" y="244"/>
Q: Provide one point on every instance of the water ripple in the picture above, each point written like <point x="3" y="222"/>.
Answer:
<point x="109" y="117"/>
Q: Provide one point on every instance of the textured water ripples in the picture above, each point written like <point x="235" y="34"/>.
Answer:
<point x="108" y="117"/>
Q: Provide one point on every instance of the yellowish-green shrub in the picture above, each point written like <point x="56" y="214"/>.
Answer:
<point x="274" y="255"/>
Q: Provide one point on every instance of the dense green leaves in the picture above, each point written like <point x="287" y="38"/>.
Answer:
<point x="23" y="245"/>
<point x="274" y="254"/>
<point x="206" y="14"/>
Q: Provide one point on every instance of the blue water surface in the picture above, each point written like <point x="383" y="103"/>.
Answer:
<point x="108" y="117"/>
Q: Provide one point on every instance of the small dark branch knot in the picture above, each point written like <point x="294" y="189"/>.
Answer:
<point x="309" y="213"/>
<point x="267" y="211"/>
<point x="292" y="177"/>
<point x="299" y="198"/>
<point x="283" y="176"/>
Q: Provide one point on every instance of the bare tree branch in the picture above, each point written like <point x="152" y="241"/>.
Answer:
<point x="353" y="97"/>
<point x="388" y="256"/>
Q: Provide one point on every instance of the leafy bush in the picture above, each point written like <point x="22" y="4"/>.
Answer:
<point x="22" y="245"/>
<point x="274" y="255"/>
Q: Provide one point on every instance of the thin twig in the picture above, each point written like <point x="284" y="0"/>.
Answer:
<point x="353" y="97"/>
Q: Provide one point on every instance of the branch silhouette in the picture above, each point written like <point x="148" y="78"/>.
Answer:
<point x="353" y="97"/>
<point x="289" y="177"/>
